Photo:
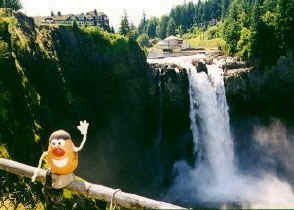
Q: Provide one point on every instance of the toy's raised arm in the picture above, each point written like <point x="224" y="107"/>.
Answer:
<point x="83" y="127"/>
<point x="39" y="166"/>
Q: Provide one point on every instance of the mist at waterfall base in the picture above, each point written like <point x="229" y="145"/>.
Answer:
<point x="216" y="179"/>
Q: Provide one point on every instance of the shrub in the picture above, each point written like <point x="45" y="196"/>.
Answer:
<point x="244" y="44"/>
<point x="143" y="40"/>
<point x="212" y="32"/>
<point x="231" y="34"/>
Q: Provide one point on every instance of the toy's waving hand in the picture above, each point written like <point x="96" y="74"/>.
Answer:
<point x="83" y="127"/>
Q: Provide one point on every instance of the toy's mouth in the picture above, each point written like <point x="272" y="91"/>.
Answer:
<point x="60" y="163"/>
<point x="58" y="152"/>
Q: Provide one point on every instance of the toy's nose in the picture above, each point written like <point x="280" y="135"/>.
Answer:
<point x="58" y="152"/>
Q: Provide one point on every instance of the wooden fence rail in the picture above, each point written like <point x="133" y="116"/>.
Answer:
<point x="99" y="192"/>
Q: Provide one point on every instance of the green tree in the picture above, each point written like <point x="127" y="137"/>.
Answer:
<point x="197" y="13"/>
<point x="124" y="28"/>
<point x="151" y="27"/>
<point x="177" y="14"/>
<point x="143" y="24"/>
<point x="13" y="4"/>
<point x="234" y="10"/>
<point x="132" y="34"/>
<point x="285" y="24"/>
<point x="75" y="25"/>
<point x="244" y="45"/>
<point x="162" y="27"/>
<point x="171" y="27"/>
<point x="231" y="34"/>
<point x="224" y="8"/>
<point x="190" y="15"/>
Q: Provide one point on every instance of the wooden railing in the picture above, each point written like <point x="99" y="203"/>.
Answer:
<point x="99" y="192"/>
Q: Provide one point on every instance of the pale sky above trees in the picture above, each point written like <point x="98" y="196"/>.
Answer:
<point x="113" y="8"/>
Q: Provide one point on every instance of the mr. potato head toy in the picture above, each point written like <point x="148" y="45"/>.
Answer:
<point x="62" y="156"/>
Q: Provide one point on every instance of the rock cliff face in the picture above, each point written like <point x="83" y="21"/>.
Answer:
<point x="174" y="106"/>
<point x="264" y="94"/>
<point x="262" y="119"/>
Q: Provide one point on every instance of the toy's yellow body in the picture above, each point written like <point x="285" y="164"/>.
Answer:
<point x="62" y="159"/>
<point x="62" y="156"/>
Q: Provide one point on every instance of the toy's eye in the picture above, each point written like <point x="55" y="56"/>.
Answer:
<point x="54" y="142"/>
<point x="61" y="142"/>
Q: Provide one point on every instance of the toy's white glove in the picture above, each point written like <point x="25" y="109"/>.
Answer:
<point x="83" y="127"/>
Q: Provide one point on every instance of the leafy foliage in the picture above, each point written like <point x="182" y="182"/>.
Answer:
<point x="151" y="27"/>
<point x="244" y="45"/>
<point x="13" y="4"/>
<point x="143" y="40"/>
<point x="162" y="27"/>
<point x="142" y="24"/>
<point x="231" y="35"/>
<point x="126" y="28"/>
<point x="171" y="27"/>
<point x="265" y="36"/>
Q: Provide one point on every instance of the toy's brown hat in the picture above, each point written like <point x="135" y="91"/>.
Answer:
<point x="59" y="134"/>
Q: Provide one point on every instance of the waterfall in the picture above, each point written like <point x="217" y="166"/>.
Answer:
<point x="209" y="107"/>
<point x="193" y="111"/>
<point x="215" y="180"/>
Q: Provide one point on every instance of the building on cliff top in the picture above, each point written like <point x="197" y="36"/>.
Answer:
<point x="170" y="43"/>
<point x="92" y="18"/>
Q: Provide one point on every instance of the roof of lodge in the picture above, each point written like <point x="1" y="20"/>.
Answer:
<point x="173" y="38"/>
<point x="61" y="17"/>
<point x="68" y="16"/>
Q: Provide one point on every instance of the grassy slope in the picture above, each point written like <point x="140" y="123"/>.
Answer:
<point x="208" y="39"/>
<point x="206" y="43"/>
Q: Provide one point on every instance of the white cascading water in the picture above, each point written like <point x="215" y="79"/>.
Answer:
<point x="215" y="177"/>
<point x="209" y="106"/>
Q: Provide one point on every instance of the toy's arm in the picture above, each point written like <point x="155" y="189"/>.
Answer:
<point x="83" y="127"/>
<point x="39" y="166"/>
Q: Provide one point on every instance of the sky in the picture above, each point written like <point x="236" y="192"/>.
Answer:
<point x="113" y="8"/>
